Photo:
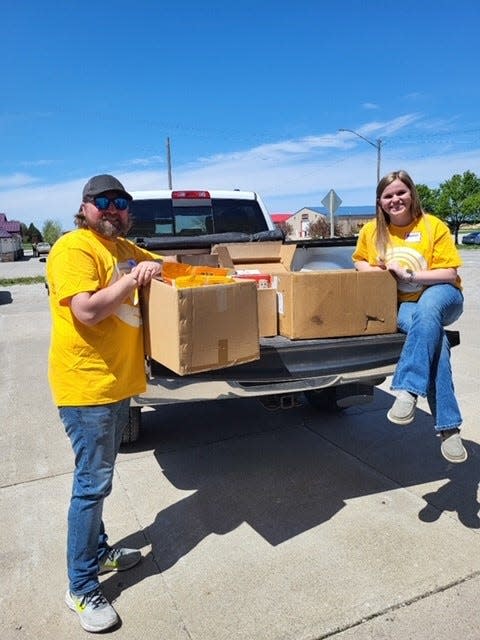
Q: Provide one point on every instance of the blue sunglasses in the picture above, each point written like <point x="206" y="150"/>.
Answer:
<point x="102" y="203"/>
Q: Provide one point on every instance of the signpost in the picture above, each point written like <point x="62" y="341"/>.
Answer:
<point x="331" y="202"/>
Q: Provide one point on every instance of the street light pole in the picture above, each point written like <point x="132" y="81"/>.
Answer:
<point x="377" y="144"/>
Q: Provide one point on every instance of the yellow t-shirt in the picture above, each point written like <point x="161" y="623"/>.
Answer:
<point x="424" y="244"/>
<point x="90" y="365"/>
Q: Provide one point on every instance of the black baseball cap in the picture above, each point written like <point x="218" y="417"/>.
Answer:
<point x="99" y="184"/>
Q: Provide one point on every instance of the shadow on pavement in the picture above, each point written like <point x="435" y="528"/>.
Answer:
<point x="282" y="477"/>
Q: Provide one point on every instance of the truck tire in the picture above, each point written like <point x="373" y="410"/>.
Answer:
<point x="131" y="432"/>
<point x="323" y="399"/>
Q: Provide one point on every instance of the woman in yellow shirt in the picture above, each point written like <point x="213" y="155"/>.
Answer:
<point x="417" y="248"/>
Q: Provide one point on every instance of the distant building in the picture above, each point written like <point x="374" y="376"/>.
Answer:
<point x="10" y="239"/>
<point x="278" y="218"/>
<point x="348" y="220"/>
<point x="11" y="226"/>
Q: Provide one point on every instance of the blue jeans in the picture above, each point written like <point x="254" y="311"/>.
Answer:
<point x="424" y="367"/>
<point x="95" y="434"/>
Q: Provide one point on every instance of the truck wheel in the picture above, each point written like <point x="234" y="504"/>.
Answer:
<point x="131" y="432"/>
<point x="323" y="399"/>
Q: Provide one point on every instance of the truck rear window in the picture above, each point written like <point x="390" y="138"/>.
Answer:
<point x="160" y="218"/>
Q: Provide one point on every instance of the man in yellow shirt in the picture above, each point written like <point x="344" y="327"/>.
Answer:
<point x="96" y="363"/>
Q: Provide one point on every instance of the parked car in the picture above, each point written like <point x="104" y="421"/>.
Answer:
<point x="41" y="249"/>
<point x="471" y="238"/>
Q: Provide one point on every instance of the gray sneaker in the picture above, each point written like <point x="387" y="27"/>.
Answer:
<point x="403" y="409"/>
<point x="119" y="559"/>
<point x="452" y="446"/>
<point x="95" y="612"/>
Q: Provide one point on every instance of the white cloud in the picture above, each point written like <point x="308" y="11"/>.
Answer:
<point x="146" y="162"/>
<point x="391" y="126"/>
<point x="36" y="163"/>
<point x="16" y="180"/>
<point x="370" y="106"/>
<point x="289" y="174"/>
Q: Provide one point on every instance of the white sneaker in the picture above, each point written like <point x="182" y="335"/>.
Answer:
<point x="403" y="409"/>
<point x="452" y="447"/>
<point x="94" y="610"/>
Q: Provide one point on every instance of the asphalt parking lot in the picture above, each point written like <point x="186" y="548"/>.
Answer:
<point x="258" y="525"/>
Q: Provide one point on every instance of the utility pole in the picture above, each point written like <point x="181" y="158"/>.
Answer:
<point x="169" y="164"/>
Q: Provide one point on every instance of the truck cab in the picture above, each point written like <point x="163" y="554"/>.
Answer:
<point x="164" y="217"/>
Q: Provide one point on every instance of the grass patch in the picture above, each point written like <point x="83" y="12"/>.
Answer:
<point x="7" y="282"/>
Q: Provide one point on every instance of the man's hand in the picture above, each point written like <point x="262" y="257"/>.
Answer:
<point x="144" y="271"/>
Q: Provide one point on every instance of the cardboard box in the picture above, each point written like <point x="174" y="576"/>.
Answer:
<point x="264" y="258"/>
<point x="267" y="313"/>
<point x="332" y="304"/>
<point x="267" y="303"/>
<point x="198" y="259"/>
<point x="201" y="328"/>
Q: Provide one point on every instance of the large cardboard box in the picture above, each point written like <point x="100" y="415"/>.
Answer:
<point x="201" y="328"/>
<point x="259" y="258"/>
<point x="332" y="304"/>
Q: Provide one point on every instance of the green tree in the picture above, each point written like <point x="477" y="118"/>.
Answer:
<point x="456" y="197"/>
<point x="33" y="234"/>
<point x="428" y="198"/>
<point x="24" y="232"/>
<point x="471" y="206"/>
<point x="51" y="231"/>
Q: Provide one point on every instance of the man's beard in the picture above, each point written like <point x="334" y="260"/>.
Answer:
<point x="111" y="228"/>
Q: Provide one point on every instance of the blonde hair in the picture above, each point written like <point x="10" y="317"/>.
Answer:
<point x="383" y="218"/>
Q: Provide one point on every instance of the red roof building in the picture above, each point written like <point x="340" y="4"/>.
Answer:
<point x="280" y="217"/>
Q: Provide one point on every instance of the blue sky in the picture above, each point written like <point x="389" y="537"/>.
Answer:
<point x="250" y="94"/>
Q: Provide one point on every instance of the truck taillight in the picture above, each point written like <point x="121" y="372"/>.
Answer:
<point x="190" y="195"/>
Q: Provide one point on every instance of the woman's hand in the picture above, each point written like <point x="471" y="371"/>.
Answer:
<point x="427" y="277"/>
<point x="400" y="273"/>
<point x="363" y="265"/>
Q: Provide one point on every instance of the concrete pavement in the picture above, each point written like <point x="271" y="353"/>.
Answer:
<point x="253" y="524"/>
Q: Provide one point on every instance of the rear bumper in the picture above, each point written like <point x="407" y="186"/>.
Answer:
<point x="285" y="366"/>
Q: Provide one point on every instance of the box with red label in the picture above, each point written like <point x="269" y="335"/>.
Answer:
<point x="263" y="280"/>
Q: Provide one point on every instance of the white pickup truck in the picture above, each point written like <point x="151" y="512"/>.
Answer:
<point x="331" y="373"/>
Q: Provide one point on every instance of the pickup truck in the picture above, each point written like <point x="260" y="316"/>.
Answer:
<point x="332" y="373"/>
